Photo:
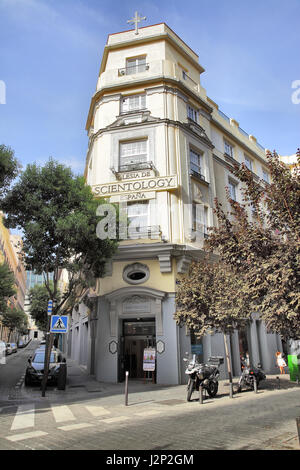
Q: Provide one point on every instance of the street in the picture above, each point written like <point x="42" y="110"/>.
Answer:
<point x="157" y="418"/>
<point x="11" y="373"/>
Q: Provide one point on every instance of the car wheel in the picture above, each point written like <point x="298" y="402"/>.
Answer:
<point x="27" y="381"/>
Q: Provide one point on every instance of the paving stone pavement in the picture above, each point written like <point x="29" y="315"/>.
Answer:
<point x="92" y="415"/>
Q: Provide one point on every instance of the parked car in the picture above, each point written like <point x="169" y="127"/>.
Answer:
<point x="8" y="349"/>
<point x="35" y="370"/>
<point x="13" y="346"/>
<point x="21" y="343"/>
<point x="2" y="352"/>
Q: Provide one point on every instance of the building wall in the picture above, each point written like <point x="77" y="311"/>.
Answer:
<point x="179" y="119"/>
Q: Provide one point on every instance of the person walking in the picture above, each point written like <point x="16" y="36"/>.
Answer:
<point x="280" y="362"/>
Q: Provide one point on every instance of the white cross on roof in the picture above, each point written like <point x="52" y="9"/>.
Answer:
<point x="136" y="19"/>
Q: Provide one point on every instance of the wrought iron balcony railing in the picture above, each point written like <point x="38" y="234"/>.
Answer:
<point x="132" y="69"/>
<point x="138" y="166"/>
<point x="152" y="231"/>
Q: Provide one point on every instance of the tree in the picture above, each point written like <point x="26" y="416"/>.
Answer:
<point x="39" y="297"/>
<point x="57" y="214"/>
<point x="265" y="251"/>
<point x="9" y="168"/>
<point x="7" y="286"/>
<point x="210" y="299"/>
<point x="13" y="319"/>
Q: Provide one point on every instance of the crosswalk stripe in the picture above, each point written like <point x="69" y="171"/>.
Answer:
<point x="62" y="413"/>
<point x="148" y="413"/>
<point x="24" y="417"/>
<point x="97" y="410"/>
<point x="72" y="427"/>
<point x="115" y="420"/>
<point x="26" y="435"/>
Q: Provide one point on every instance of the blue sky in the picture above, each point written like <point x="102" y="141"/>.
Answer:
<point x="50" y="54"/>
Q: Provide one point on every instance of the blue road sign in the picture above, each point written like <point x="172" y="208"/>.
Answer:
<point x="59" y="324"/>
<point x="50" y="305"/>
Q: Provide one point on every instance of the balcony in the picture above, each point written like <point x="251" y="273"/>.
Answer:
<point x="130" y="167"/>
<point x="133" y="69"/>
<point x="151" y="70"/>
<point x="198" y="176"/>
<point x="150" y="232"/>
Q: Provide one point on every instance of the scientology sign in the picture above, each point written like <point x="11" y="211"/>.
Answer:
<point x="149" y="184"/>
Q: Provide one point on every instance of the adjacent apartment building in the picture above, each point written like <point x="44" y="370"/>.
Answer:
<point x="10" y="248"/>
<point x="161" y="149"/>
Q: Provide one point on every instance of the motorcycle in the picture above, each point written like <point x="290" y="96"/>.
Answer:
<point x="249" y="375"/>
<point x="203" y="374"/>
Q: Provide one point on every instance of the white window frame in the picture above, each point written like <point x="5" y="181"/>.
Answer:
<point x="133" y="103"/>
<point x="135" y="65"/>
<point x="266" y="175"/>
<point x="139" y="152"/>
<point x="203" y="220"/>
<point x="192" y="113"/>
<point x="229" y="149"/>
<point x="196" y="167"/>
<point x="248" y="159"/>
<point x="144" y="206"/>
<point x="232" y="186"/>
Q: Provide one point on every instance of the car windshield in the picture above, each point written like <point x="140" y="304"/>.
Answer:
<point x="40" y="358"/>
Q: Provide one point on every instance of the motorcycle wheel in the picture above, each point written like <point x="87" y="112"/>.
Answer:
<point x="212" y="388"/>
<point x="190" y="390"/>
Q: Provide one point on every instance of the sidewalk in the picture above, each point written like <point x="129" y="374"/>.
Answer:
<point x="83" y="388"/>
<point x="80" y="384"/>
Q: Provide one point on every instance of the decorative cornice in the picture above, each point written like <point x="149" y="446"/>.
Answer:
<point x="132" y="84"/>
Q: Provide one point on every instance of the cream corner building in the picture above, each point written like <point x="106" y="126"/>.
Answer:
<point x="162" y="149"/>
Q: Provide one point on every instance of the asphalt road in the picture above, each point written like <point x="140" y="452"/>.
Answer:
<point x="12" y="372"/>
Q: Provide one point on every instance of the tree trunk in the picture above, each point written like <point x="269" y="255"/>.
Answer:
<point x="228" y="365"/>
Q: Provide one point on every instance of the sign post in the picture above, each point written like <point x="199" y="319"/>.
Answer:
<point x="149" y="362"/>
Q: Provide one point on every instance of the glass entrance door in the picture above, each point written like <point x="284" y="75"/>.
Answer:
<point x="137" y="336"/>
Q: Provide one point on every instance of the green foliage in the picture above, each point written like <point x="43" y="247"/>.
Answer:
<point x="7" y="286"/>
<point x="14" y="319"/>
<point x="39" y="297"/>
<point x="9" y="168"/>
<point x="265" y="251"/>
<point x="57" y="213"/>
<point x="209" y="299"/>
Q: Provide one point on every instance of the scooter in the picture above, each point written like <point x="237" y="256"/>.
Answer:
<point x="249" y="376"/>
<point x="203" y="374"/>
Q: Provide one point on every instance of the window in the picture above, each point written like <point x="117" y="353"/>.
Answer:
<point x="133" y="103"/>
<point x="133" y="152"/>
<point x="228" y="149"/>
<point x="135" y="65"/>
<point x="192" y="113"/>
<point x="232" y="189"/>
<point x="196" y="162"/>
<point x="248" y="163"/>
<point x="266" y="177"/>
<point x="138" y="216"/>
<point x="200" y="218"/>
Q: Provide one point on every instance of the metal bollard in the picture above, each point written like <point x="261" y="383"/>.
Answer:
<point x="230" y="390"/>
<point x="200" y="395"/>
<point x="255" y="384"/>
<point x="126" y="388"/>
<point x="278" y="382"/>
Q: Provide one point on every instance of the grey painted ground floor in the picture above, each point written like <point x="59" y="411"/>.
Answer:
<point x="110" y="339"/>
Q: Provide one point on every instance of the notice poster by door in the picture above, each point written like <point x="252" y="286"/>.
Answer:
<point x="149" y="360"/>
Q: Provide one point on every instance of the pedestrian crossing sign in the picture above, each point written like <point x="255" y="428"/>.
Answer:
<point x="59" y="324"/>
